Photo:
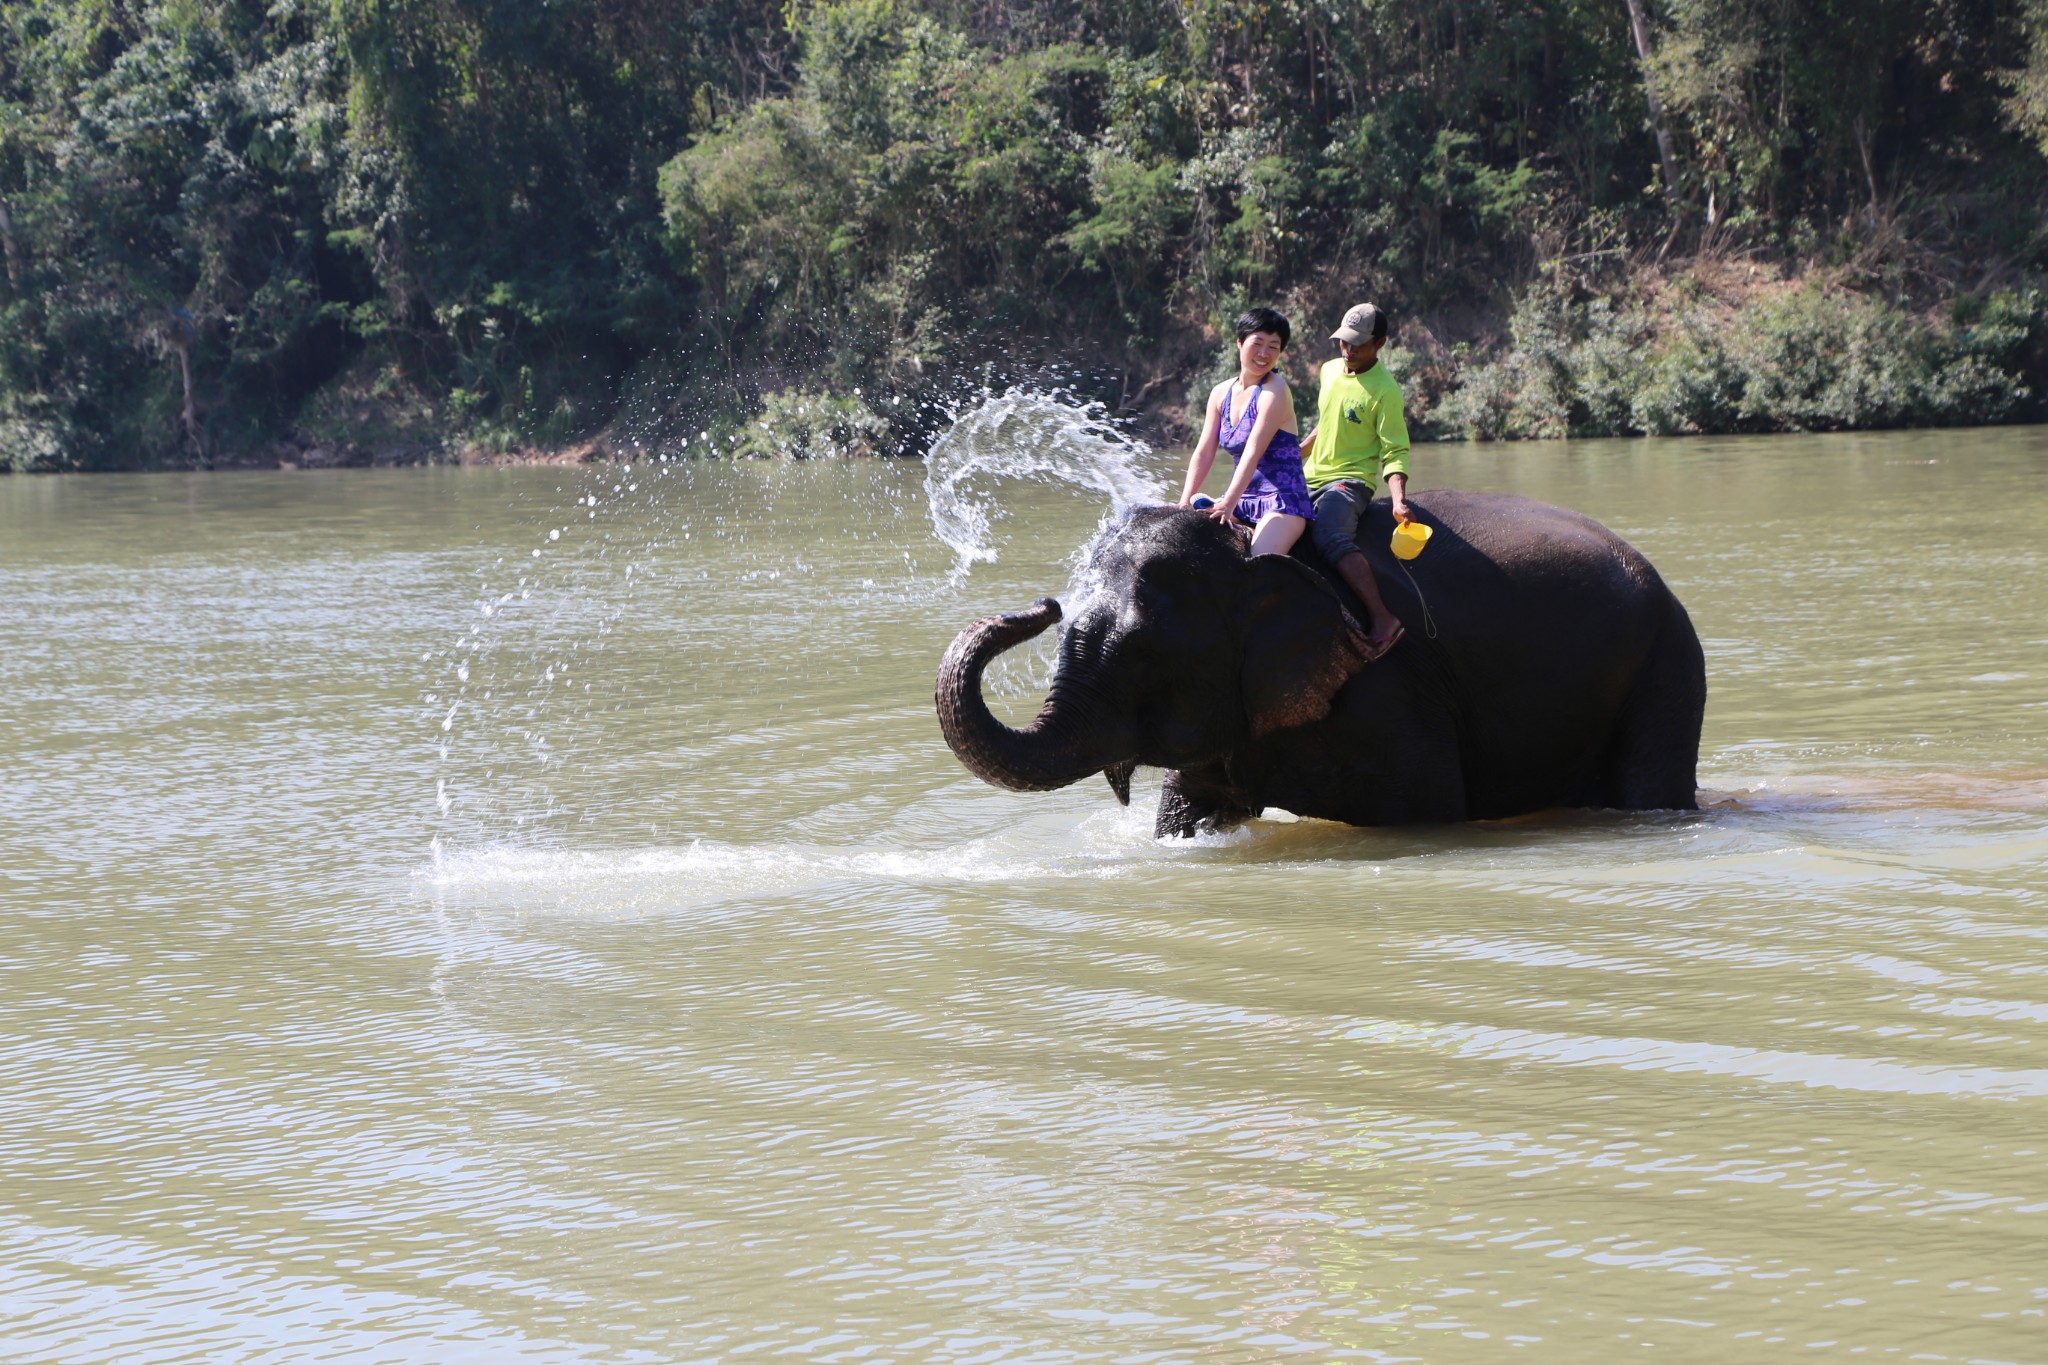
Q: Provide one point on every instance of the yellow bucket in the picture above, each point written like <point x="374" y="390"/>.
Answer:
<point x="1409" y="538"/>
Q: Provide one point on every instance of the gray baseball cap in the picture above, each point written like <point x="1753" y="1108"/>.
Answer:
<point x="1361" y="323"/>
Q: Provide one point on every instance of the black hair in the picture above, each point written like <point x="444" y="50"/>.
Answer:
<point x="1263" y="320"/>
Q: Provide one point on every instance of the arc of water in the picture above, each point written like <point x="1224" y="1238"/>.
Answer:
<point x="1025" y="434"/>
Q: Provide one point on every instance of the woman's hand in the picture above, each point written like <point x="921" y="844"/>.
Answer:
<point x="1223" y="512"/>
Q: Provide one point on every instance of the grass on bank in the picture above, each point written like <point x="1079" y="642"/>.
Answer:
<point x="1789" y="355"/>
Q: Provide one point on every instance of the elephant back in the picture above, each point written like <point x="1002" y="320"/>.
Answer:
<point x="1501" y="568"/>
<point x="1531" y="628"/>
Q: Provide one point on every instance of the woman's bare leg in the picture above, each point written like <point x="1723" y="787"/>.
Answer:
<point x="1276" y="533"/>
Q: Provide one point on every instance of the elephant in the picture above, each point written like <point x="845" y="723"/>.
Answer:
<point x="1546" y="665"/>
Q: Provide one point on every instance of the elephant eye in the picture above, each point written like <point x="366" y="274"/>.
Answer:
<point x="1133" y="630"/>
<point x="1137" y="625"/>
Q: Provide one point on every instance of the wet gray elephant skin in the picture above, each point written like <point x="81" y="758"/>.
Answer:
<point x="1563" y="672"/>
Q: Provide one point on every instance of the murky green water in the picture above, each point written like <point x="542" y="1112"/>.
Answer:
<point x="731" y="1016"/>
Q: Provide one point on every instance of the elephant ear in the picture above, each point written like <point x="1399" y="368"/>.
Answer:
<point x="1300" y="645"/>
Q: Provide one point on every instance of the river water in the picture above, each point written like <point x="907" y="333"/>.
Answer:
<point x="531" y="915"/>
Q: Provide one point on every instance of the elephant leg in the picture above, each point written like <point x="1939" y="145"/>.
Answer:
<point x="1200" y="800"/>
<point x="1657" y="751"/>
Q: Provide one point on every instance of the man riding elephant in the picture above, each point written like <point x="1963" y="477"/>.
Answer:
<point x="1359" y="438"/>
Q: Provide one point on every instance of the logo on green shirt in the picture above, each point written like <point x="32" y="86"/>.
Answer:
<point x="1354" y="413"/>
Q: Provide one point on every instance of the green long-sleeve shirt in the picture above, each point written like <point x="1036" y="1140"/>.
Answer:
<point x="1360" y="433"/>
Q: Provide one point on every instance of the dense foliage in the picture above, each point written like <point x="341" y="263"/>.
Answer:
<point x="233" y="227"/>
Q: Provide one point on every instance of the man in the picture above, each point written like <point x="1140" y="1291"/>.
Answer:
<point x="1359" y="439"/>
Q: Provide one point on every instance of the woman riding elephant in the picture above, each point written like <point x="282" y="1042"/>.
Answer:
<point x="1561" y="671"/>
<point x="1267" y="492"/>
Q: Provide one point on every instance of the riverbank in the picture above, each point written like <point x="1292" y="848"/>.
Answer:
<point x="1721" y="343"/>
<point x="1732" y="344"/>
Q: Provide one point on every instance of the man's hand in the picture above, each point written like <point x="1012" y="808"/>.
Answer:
<point x="1397" y="494"/>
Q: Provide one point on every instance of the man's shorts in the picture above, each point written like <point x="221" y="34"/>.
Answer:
<point x="1340" y="507"/>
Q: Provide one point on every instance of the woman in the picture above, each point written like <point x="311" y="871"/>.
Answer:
<point x="1267" y="491"/>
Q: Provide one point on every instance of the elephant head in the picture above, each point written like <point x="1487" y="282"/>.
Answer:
<point x="1183" y="648"/>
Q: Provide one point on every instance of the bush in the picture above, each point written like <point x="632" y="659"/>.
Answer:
<point x="1570" y="370"/>
<point x="804" y="424"/>
<point x="28" y="445"/>
<point x="1690" y="384"/>
<point x="1808" y="360"/>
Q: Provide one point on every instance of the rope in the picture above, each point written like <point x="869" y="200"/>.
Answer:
<point x="1428" y="621"/>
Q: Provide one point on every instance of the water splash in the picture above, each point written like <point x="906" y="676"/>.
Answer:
<point x="1033" y="435"/>
<point x="524" y="706"/>
<point x="510" y="699"/>
<point x="746" y="879"/>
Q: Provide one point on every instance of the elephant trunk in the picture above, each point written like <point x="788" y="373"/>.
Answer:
<point x="1053" y="751"/>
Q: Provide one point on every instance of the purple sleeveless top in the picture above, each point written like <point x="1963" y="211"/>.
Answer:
<point x="1277" y="484"/>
